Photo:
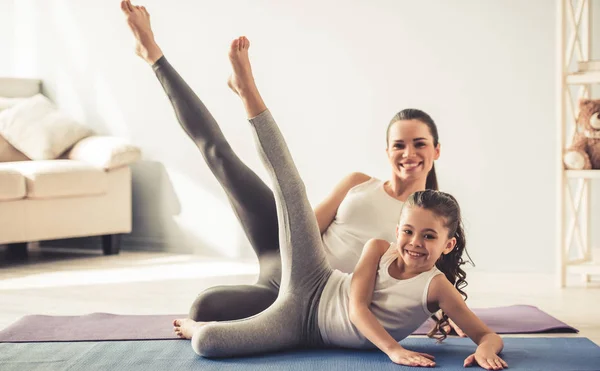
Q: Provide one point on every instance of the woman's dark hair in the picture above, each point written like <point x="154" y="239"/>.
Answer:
<point x="415" y="114"/>
<point x="445" y="205"/>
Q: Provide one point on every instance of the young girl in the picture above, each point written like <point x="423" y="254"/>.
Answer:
<point x="344" y="217"/>
<point x="393" y="290"/>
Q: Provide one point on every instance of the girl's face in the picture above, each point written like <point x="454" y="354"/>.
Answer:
<point x="422" y="238"/>
<point x="410" y="149"/>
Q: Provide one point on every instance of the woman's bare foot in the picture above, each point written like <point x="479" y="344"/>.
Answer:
<point x="185" y="327"/>
<point x="241" y="80"/>
<point x="138" y="20"/>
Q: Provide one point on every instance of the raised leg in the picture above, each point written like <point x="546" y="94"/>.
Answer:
<point x="252" y="200"/>
<point x="291" y="320"/>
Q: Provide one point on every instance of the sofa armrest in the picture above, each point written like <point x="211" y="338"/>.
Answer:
<point x="104" y="151"/>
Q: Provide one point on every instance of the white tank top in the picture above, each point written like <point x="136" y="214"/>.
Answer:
<point x="366" y="212"/>
<point x="399" y="305"/>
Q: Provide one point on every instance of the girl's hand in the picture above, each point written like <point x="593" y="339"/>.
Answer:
<point x="406" y="357"/>
<point x="486" y="359"/>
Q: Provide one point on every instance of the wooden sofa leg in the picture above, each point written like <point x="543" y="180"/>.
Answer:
<point x="17" y="250"/>
<point x="111" y="244"/>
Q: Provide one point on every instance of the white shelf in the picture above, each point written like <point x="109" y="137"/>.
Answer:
<point x="582" y="78"/>
<point x="588" y="174"/>
<point x="585" y="268"/>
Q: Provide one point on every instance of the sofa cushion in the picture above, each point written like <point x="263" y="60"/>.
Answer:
<point x="12" y="183"/>
<point x="60" y="178"/>
<point x="9" y="153"/>
<point x="38" y="129"/>
<point x="9" y="102"/>
<point x="104" y="151"/>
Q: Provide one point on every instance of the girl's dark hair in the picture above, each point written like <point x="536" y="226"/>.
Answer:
<point x="445" y="205"/>
<point x="415" y="114"/>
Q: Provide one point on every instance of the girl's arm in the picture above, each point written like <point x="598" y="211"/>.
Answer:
<point x="326" y="210"/>
<point x="361" y="294"/>
<point x="446" y="296"/>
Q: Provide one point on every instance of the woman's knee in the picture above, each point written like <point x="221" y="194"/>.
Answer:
<point x="219" y="155"/>
<point x="208" y="305"/>
<point x="225" y="303"/>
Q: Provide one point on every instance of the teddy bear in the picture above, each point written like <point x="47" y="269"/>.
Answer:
<point x="584" y="152"/>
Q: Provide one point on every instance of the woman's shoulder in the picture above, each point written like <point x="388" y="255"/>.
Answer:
<point x="357" y="178"/>
<point x="350" y="182"/>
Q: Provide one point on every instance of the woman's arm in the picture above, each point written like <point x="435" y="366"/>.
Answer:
<point x="326" y="210"/>
<point x="361" y="294"/>
<point x="489" y="344"/>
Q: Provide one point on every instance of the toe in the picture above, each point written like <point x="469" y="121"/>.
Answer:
<point x="235" y="44"/>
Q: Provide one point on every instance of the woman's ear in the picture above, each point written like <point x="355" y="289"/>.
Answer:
<point x="437" y="151"/>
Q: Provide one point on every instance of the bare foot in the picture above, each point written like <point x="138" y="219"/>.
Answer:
<point x="241" y="80"/>
<point x="185" y="327"/>
<point x="138" y="20"/>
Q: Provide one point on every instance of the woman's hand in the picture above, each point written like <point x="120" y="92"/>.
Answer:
<point x="406" y="357"/>
<point x="486" y="359"/>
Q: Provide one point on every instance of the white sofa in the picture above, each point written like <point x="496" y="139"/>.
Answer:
<point x="85" y="192"/>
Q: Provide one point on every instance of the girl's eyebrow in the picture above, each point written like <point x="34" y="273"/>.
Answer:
<point x="424" y="230"/>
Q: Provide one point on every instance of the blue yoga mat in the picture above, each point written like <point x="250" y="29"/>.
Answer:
<point x="544" y="354"/>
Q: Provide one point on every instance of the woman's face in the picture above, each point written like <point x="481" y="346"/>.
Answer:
<point x="411" y="151"/>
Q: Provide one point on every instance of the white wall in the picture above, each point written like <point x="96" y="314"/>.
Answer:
<point x="6" y="36"/>
<point x="333" y="74"/>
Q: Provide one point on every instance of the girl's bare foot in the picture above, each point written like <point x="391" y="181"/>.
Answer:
<point x="185" y="327"/>
<point x="138" y="20"/>
<point x="241" y="80"/>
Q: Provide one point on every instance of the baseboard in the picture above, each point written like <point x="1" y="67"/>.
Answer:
<point x="128" y="243"/>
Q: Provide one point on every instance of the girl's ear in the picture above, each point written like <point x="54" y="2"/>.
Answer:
<point x="397" y="230"/>
<point x="449" y="246"/>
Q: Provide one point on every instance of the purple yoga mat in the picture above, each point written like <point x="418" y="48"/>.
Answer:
<point x="516" y="319"/>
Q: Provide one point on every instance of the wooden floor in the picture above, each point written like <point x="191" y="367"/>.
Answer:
<point x="61" y="282"/>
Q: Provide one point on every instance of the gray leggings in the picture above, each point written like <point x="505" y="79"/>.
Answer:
<point x="291" y="321"/>
<point x="250" y="198"/>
